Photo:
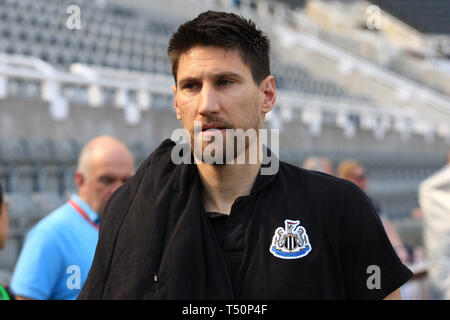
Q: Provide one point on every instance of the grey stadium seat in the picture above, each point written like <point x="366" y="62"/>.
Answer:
<point x="46" y="202"/>
<point x="22" y="210"/>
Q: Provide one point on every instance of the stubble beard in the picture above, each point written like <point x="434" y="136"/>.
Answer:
<point x="237" y="148"/>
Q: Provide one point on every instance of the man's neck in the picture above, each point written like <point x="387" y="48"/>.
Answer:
<point x="222" y="184"/>
<point x="86" y="200"/>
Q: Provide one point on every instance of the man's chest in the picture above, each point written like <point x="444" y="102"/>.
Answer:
<point x="276" y="251"/>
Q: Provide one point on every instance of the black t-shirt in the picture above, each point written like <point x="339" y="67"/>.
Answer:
<point x="363" y="265"/>
<point x="298" y="235"/>
<point x="222" y="228"/>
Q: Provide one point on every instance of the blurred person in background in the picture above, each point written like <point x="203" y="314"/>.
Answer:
<point x="353" y="171"/>
<point x="58" y="251"/>
<point x="434" y="199"/>
<point x="321" y="164"/>
<point x="5" y="293"/>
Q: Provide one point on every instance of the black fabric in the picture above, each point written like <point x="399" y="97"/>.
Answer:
<point x="153" y="241"/>
<point x="219" y="224"/>
<point x="157" y="242"/>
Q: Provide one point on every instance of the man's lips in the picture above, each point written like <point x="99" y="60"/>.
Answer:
<point x="206" y="127"/>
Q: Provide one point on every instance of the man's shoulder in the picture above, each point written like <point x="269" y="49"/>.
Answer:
<point x="143" y="186"/>
<point x="154" y="169"/>
<point x="317" y="185"/>
<point x="157" y="170"/>
<point x="161" y="154"/>
<point x="312" y="179"/>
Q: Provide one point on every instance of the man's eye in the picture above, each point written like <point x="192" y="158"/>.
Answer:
<point x="107" y="180"/>
<point x="190" y="86"/>
<point x="224" y="82"/>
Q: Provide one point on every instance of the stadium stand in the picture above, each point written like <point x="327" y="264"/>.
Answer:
<point x="426" y="16"/>
<point x="344" y="91"/>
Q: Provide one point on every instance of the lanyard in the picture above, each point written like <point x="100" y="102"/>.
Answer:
<point x="83" y="214"/>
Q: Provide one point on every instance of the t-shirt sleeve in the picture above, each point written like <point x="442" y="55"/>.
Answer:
<point x="371" y="267"/>
<point x="38" y="267"/>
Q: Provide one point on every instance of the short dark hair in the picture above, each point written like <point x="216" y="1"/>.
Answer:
<point x="227" y="30"/>
<point x="1" y="194"/>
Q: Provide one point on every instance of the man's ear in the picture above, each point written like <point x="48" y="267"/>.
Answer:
<point x="79" y="179"/>
<point x="269" y="93"/>
<point x="175" y="105"/>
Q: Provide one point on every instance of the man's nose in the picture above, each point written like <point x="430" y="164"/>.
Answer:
<point x="208" y="102"/>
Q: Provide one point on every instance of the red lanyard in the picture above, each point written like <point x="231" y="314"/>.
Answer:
<point x="83" y="214"/>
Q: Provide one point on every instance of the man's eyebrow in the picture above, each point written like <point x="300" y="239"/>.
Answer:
<point x="227" y="74"/>
<point x="215" y="76"/>
<point x="107" y="177"/>
<point x="188" y="80"/>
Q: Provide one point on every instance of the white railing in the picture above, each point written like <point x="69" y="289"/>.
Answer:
<point x="405" y="122"/>
<point x="414" y="90"/>
<point x="310" y="108"/>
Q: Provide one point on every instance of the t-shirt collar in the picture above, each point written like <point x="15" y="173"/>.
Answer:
<point x="263" y="180"/>
<point x="86" y="208"/>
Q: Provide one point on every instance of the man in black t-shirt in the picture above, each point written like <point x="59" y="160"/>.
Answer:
<point x="201" y="229"/>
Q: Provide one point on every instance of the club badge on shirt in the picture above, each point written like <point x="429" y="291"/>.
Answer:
<point x="290" y="242"/>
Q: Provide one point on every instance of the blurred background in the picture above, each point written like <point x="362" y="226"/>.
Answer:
<point x="367" y="80"/>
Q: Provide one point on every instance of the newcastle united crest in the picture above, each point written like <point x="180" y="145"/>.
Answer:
<point x="290" y="242"/>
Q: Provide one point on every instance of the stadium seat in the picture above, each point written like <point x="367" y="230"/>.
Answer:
<point x="5" y="274"/>
<point x="13" y="150"/>
<point x="23" y="178"/>
<point x="49" y="179"/>
<point x="37" y="172"/>
<point x="429" y="16"/>
<point x="9" y="255"/>
<point x="22" y="210"/>
<point x="46" y="202"/>
<point x="41" y="150"/>
<point x="117" y="30"/>
<point x="68" y="183"/>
